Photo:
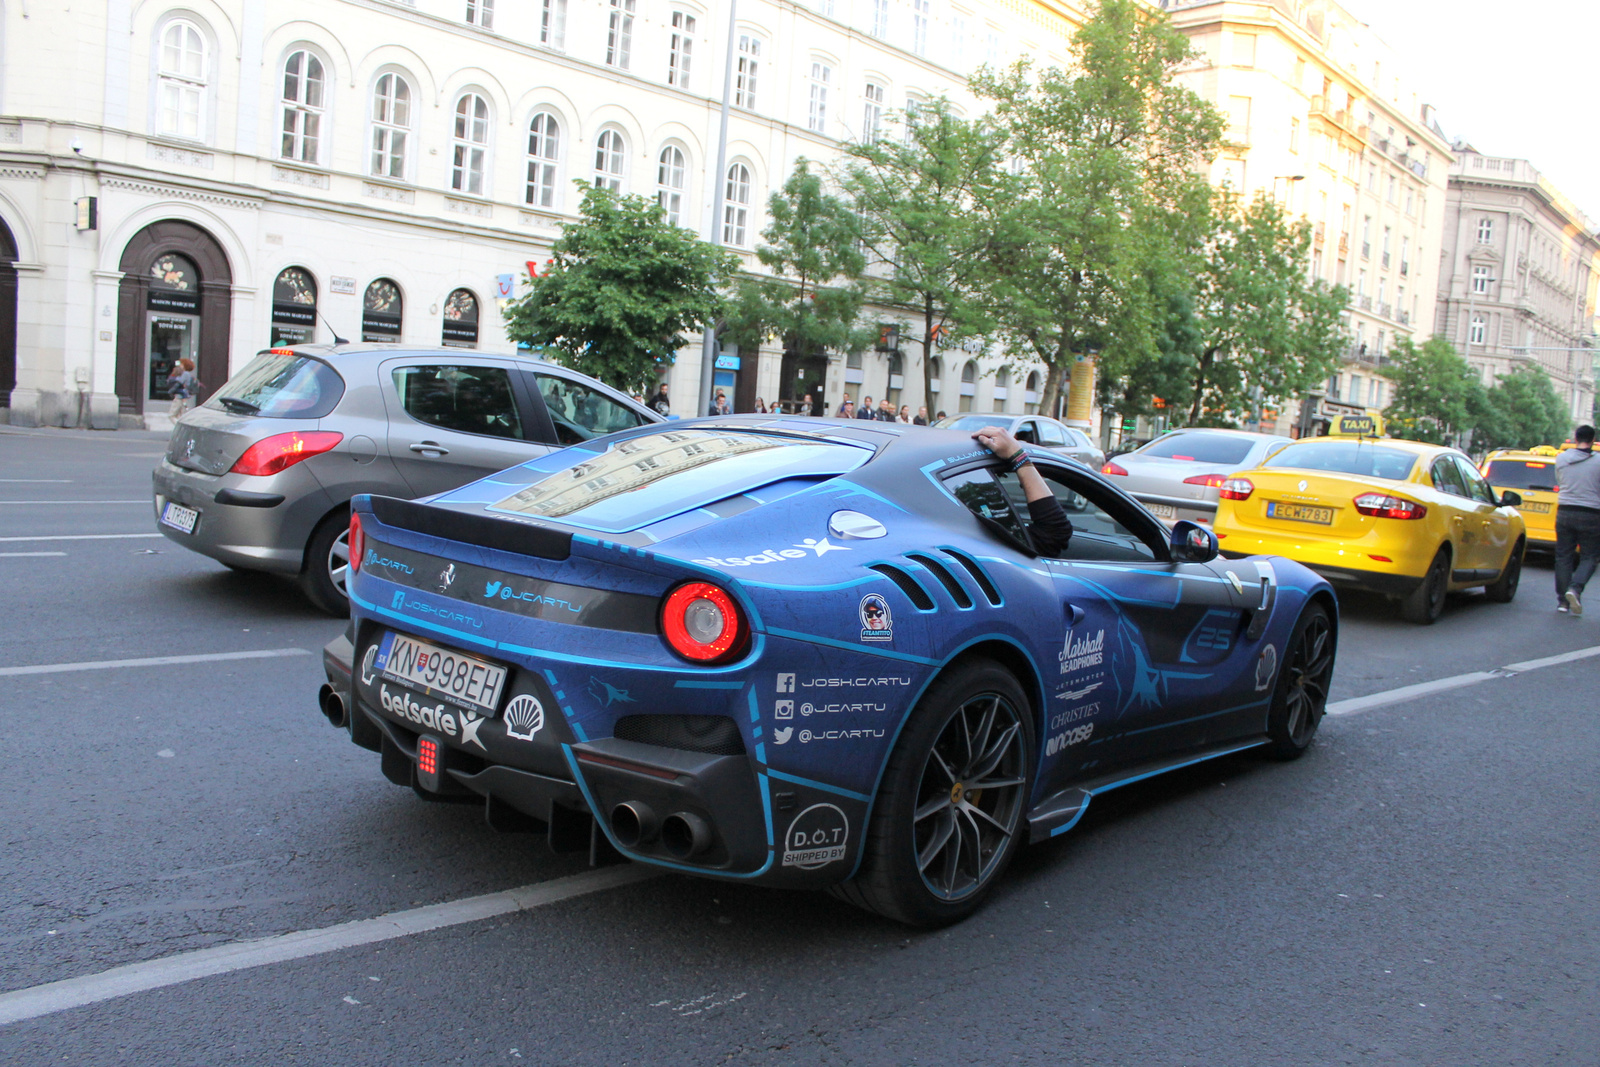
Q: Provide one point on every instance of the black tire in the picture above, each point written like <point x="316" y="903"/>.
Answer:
<point x="1503" y="590"/>
<point x="965" y="842"/>
<point x="1301" y="694"/>
<point x="1425" y="603"/>
<point x="327" y="558"/>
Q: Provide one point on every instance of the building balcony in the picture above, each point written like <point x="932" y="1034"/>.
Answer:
<point x="1403" y="318"/>
<point x="1386" y="310"/>
<point x="1364" y="302"/>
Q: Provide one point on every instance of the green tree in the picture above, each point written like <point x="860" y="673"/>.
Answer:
<point x="813" y="297"/>
<point x="625" y="287"/>
<point x="1521" y="410"/>
<point x="1268" y="331"/>
<point x="926" y="204"/>
<point x="1109" y="149"/>
<point x="1437" y="397"/>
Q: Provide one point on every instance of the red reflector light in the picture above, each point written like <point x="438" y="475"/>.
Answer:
<point x="428" y="756"/>
<point x="283" y="450"/>
<point x="701" y="622"/>
<point x="358" y="541"/>
<point x="1213" y="481"/>
<point x="1112" y="468"/>
<point x="1236" y="489"/>
<point x="1381" y="559"/>
<point x="1189" y="458"/>
<point x="1384" y="506"/>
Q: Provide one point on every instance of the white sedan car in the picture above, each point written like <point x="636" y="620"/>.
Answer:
<point x="1178" y="475"/>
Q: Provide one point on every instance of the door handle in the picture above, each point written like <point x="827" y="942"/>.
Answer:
<point x="426" y="447"/>
<point x="1074" y="613"/>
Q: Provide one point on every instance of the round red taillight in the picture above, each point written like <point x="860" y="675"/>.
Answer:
<point x="702" y="623"/>
<point x="358" y="541"/>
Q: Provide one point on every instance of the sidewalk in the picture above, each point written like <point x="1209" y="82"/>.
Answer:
<point x="98" y="435"/>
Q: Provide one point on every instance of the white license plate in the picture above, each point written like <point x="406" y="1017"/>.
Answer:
<point x="179" y="517"/>
<point x="440" y="671"/>
<point x="1163" y="511"/>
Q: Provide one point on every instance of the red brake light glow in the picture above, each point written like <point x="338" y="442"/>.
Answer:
<point x="1236" y="489"/>
<point x="1384" y="506"/>
<point x="702" y="623"/>
<point x="358" y="541"/>
<point x="1112" y="468"/>
<point x="1213" y="481"/>
<point x="428" y="756"/>
<point x="283" y="450"/>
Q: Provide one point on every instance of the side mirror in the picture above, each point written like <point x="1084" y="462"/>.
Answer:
<point x="1510" y="499"/>
<point x="1192" y="543"/>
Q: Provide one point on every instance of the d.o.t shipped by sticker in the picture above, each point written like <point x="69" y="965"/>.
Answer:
<point x="816" y="838"/>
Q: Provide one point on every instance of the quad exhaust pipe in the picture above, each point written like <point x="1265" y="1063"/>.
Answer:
<point x="332" y="705"/>
<point x="634" y="823"/>
<point x="685" y="834"/>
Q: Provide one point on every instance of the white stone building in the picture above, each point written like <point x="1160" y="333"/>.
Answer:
<point x="205" y="177"/>
<point x="1517" y="286"/>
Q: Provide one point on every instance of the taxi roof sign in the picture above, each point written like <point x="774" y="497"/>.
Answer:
<point x="1369" y="424"/>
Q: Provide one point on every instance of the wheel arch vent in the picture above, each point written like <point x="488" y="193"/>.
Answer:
<point x="946" y="579"/>
<point x="990" y="591"/>
<point x="908" y="585"/>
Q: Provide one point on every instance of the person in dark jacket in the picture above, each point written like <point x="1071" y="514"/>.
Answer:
<point x="866" y="411"/>
<point x="659" y="402"/>
<point x="1050" y="528"/>
<point x="1577" y="520"/>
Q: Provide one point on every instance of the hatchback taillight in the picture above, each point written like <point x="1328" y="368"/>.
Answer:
<point x="1384" y="506"/>
<point x="1236" y="489"/>
<point x="1112" y="468"/>
<point x="281" y="451"/>
<point x="358" y="541"/>
<point x="702" y="623"/>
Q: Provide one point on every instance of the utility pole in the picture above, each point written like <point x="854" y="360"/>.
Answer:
<point x="719" y="181"/>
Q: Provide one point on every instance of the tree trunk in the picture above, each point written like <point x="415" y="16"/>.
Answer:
<point x="1206" y="359"/>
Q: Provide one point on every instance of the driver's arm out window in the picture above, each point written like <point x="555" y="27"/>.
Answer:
<point x="1097" y="534"/>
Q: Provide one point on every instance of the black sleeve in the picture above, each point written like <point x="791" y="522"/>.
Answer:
<point x="1051" y="529"/>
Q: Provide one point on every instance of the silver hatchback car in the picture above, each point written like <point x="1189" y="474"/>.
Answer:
<point x="260" y="476"/>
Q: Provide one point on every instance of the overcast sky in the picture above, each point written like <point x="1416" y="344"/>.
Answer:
<point x="1513" y="79"/>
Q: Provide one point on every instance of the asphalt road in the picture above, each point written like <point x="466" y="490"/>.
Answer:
<point x="1421" y="888"/>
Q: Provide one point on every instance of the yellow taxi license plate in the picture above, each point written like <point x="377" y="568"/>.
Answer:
<point x="1277" y="509"/>
<point x="1534" y="506"/>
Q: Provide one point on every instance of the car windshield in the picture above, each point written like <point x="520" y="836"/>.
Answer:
<point x="1347" y="457"/>
<point x="1523" y="474"/>
<point x="281" y="385"/>
<point x="970" y="423"/>
<point x="1201" y="447"/>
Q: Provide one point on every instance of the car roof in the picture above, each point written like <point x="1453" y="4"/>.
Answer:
<point x="1420" y="448"/>
<point x="353" y="350"/>
<point x="1229" y="431"/>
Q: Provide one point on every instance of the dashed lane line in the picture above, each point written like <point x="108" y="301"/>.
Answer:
<point x="20" y="555"/>
<point x="223" y="959"/>
<point x="151" y="661"/>
<point x="36" y="481"/>
<point x="1457" y="681"/>
<point x="79" y="537"/>
<point x="141" y="500"/>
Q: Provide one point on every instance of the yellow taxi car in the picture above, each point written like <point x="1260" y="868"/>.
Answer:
<point x="1407" y="520"/>
<point x="1532" y="475"/>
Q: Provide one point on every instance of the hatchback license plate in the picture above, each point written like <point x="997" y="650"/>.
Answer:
<point x="1534" y="506"/>
<point x="179" y="517"/>
<point x="440" y="671"/>
<point x="1299" y="513"/>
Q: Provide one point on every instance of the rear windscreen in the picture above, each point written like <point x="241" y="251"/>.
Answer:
<point x="646" y="478"/>
<point x="1347" y="457"/>
<point x="1522" y="474"/>
<point x="971" y="422"/>
<point x="1200" y="448"/>
<point x="279" y="385"/>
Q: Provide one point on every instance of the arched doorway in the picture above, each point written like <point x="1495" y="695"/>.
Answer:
<point x="173" y="302"/>
<point x="8" y="314"/>
<point x="461" y="320"/>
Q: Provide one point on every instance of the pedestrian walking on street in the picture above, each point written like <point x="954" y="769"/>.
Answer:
<point x="922" y="417"/>
<point x="761" y="406"/>
<point x="905" y="413"/>
<point x="181" y="387"/>
<point x="720" y="405"/>
<point x="1577" y="520"/>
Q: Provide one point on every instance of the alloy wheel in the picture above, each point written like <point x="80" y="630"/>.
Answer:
<point x="339" y="562"/>
<point x="1310" y="666"/>
<point x="970" y="798"/>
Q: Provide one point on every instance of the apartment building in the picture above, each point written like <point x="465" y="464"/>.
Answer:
<point x="1321" y="118"/>
<point x="1520" y="266"/>
<point x="208" y="178"/>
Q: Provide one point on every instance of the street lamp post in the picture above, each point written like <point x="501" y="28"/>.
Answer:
<point x="708" y="341"/>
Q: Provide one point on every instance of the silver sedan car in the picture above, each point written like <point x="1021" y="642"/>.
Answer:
<point x="260" y="476"/>
<point x="1178" y="475"/>
<point x="1038" y="430"/>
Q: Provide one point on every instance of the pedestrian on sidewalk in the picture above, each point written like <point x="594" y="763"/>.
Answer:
<point x="180" y="387"/>
<point x="1577" y="520"/>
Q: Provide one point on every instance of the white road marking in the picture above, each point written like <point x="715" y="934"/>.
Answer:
<point x="242" y="955"/>
<point x="141" y="500"/>
<point x="36" y="481"/>
<point x="18" y="555"/>
<point x="78" y="537"/>
<point x="151" y="661"/>
<point x="1457" y="681"/>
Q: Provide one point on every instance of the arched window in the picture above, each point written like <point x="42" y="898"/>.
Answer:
<point x="391" y="126"/>
<point x="1002" y="388"/>
<point x="670" y="171"/>
<point x="817" y="102"/>
<point x="294" y="307"/>
<point x="174" y="321"/>
<point x="872" y="118"/>
<point x="736" y="209"/>
<point x="1030" y="398"/>
<point x="381" y="312"/>
<point x="544" y="152"/>
<point x="471" y="144"/>
<point x="935" y="374"/>
<point x="969" y="372"/>
<point x="461" y="319"/>
<point x="969" y="384"/>
<point x="181" y="78"/>
<point x="302" y="107"/>
<point x="610" y="153"/>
